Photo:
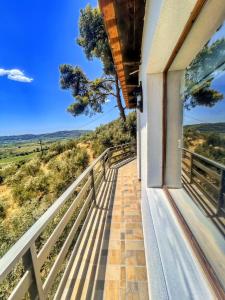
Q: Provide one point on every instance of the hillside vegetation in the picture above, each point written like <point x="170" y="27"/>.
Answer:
<point x="44" y="136"/>
<point x="207" y="140"/>
<point x="208" y="127"/>
<point x="28" y="188"/>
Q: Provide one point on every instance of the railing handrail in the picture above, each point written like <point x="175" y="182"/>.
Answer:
<point x="18" y="250"/>
<point x="207" y="160"/>
<point x="23" y="244"/>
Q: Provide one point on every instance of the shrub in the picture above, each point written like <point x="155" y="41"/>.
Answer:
<point x="57" y="148"/>
<point x="31" y="168"/>
<point x="2" y="208"/>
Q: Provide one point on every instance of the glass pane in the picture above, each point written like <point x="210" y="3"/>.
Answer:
<point x="203" y="164"/>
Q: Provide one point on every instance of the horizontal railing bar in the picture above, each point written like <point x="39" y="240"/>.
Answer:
<point x="98" y="168"/>
<point x="99" y="186"/>
<point x="186" y="172"/>
<point x="20" y="248"/>
<point x="121" y="154"/>
<point x="207" y="194"/>
<point x="98" y="183"/>
<point x="209" y="161"/>
<point x="98" y="178"/>
<point x="22" y="286"/>
<point x="8" y="261"/>
<point x="185" y="166"/>
<point x="202" y="178"/>
<point x="74" y="252"/>
<point x="44" y="252"/>
<point x="63" y="252"/>
<point x="206" y="169"/>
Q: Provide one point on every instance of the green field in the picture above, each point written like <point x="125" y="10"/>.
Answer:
<point x="11" y="153"/>
<point x="24" y="147"/>
<point x="23" y="151"/>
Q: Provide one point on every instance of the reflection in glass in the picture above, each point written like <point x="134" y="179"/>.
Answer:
<point x="203" y="164"/>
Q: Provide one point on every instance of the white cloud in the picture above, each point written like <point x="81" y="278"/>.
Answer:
<point x="15" y="74"/>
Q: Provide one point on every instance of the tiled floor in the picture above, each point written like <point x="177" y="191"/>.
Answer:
<point x="124" y="274"/>
<point x="110" y="260"/>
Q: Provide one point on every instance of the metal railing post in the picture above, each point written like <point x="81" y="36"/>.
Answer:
<point x="30" y="263"/>
<point x="93" y="185"/>
<point x="109" y="158"/>
<point x="191" y="167"/>
<point x="104" y="171"/>
<point x="221" y="191"/>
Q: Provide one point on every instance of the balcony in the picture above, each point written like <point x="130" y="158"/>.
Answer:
<point x="89" y="243"/>
<point x="102" y="240"/>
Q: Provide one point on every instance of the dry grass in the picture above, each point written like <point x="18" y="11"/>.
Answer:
<point x="11" y="206"/>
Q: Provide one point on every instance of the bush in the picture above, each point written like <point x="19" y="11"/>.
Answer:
<point x="31" y="168"/>
<point x="57" y="148"/>
<point x="2" y="208"/>
<point x="112" y="134"/>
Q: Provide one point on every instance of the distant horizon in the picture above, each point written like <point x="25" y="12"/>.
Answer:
<point x="48" y="132"/>
<point x="85" y="129"/>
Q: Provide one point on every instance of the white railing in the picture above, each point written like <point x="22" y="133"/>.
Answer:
<point x="80" y="197"/>
<point x="208" y="176"/>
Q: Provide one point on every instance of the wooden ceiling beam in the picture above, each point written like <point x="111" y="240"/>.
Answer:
<point x="121" y="19"/>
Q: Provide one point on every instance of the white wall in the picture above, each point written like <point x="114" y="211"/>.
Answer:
<point x="138" y="145"/>
<point x="164" y="23"/>
<point x="162" y="28"/>
<point x="174" y="129"/>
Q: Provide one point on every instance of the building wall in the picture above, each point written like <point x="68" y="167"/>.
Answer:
<point x="164" y="23"/>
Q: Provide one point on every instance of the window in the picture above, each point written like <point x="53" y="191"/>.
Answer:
<point x="203" y="164"/>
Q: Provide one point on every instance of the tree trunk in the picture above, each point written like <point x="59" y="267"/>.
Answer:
<point x="119" y="101"/>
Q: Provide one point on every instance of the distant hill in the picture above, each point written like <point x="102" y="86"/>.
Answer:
<point x="45" y="136"/>
<point x="208" y="127"/>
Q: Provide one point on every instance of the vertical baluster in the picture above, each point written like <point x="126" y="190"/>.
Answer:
<point x="104" y="171"/>
<point x="109" y="158"/>
<point x="93" y="185"/>
<point x="30" y="262"/>
<point x="191" y="167"/>
<point x="221" y="191"/>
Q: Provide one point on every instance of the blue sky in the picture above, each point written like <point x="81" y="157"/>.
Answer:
<point x="36" y="37"/>
<point x="203" y="114"/>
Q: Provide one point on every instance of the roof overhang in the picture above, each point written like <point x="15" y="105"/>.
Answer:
<point x="124" y="21"/>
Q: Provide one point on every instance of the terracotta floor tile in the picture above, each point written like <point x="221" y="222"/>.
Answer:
<point x="112" y="290"/>
<point x="115" y="234"/>
<point x="137" y="290"/>
<point x="117" y="218"/>
<point x="136" y="273"/>
<point x="114" y="257"/>
<point x="116" y="225"/>
<point x="114" y="244"/>
<point x="113" y="272"/>
<point x="135" y="225"/>
<point x="129" y="218"/>
<point x="134" y="245"/>
<point x="134" y="234"/>
<point x="123" y="294"/>
<point x="135" y="257"/>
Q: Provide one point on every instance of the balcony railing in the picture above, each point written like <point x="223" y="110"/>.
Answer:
<point x="208" y="176"/>
<point x="33" y="251"/>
